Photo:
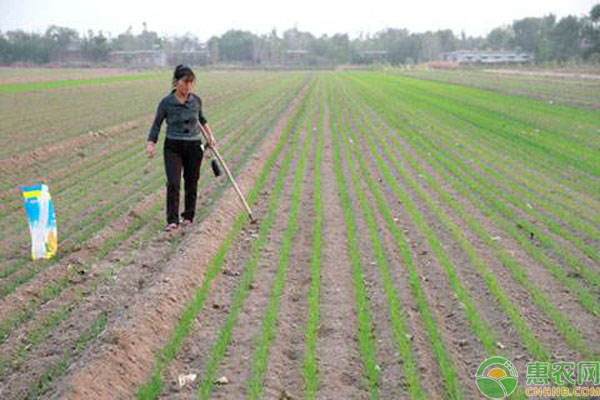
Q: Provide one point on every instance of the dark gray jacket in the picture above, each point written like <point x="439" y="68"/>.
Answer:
<point x="182" y="119"/>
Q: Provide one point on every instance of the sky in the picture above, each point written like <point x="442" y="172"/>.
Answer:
<point x="204" y="19"/>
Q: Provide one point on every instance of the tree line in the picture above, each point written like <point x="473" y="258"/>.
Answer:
<point x="548" y="39"/>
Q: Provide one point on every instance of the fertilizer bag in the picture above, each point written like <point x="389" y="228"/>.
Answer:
<point x="42" y="223"/>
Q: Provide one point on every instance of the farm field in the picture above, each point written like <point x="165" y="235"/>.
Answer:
<point x="10" y="75"/>
<point x="567" y="88"/>
<point x="409" y="227"/>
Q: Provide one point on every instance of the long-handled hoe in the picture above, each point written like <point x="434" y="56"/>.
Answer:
<point x="217" y="172"/>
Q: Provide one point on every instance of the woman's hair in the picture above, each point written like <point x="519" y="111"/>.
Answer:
<point x="181" y="72"/>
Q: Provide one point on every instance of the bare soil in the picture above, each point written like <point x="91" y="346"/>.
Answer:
<point x="59" y="74"/>
<point x="552" y="74"/>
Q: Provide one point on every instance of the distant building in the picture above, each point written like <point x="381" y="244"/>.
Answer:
<point x="159" y="58"/>
<point x="486" y="57"/>
<point x="192" y="57"/>
<point x="139" y="58"/>
<point x="296" y="57"/>
<point x="373" y="55"/>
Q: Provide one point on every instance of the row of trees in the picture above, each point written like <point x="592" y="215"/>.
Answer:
<point x="570" y="38"/>
<point x="20" y="46"/>
<point x="549" y="39"/>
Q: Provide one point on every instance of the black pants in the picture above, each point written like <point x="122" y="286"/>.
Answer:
<point x="187" y="156"/>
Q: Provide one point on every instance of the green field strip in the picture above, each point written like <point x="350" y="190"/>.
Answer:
<point x="100" y="218"/>
<point x="518" y="272"/>
<point x="26" y="87"/>
<point x="587" y="299"/>
<point x="436" y="107"/>
<point x="552" y="118"/>
<point x="467" y="103"/>
<point x="494" y="191"/>
<point x="397" y="316"/>
<point x="522" y="109"/>
<point x="527" y="335"/>
<point x="570" y="92"/>
<point x="33" y="338"/>
<point x="55" y="288"/>
<point x="53" y="372"/>
<point x="486" y="194"/>
<point x="546" y="163"/>
<point x="478" y="150"/>
<point x="534" y="114"/>
<point x="554" y="226"/>
<point x="222" y="340"/>
<point x="70" y="179"/>
<point x="546" y="241"/>
<point x="84" y="197"/>
<point x="462" y="128"/>
<point x="433" y="332"/>
<point x="468" y="189"/>
<point x="440" y="133"/>
<point x="431" y="326"/>
<point x="479" y="328"/>
<point x="43" y="328"/>
<point x="365" y="324"/>
<point x="310" y="369"/>
<point x="548" y="194"/>
<point x="168" y="352"/>
<point x="532" y="192"/>
<point x="529" y="206"/>
<point x="263" y="340"/>
<point x="68" y="123"/>
<point x="546" y="211"/>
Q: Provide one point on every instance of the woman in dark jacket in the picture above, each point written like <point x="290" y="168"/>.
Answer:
<point x="183" y="146"/>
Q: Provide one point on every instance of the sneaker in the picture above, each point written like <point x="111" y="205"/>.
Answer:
<point x="186" y="222"/>
<point x="172" y="227"/>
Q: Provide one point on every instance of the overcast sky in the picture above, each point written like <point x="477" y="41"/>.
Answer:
<point x="207" y="18"/>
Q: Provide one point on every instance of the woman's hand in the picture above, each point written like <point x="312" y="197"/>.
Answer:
<point x="208" y="135"/>
<point x="211" y="142"/>
<point x="151" y="149"/>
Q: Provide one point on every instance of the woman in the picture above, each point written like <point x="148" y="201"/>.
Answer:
<point x="183" y="146"/>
